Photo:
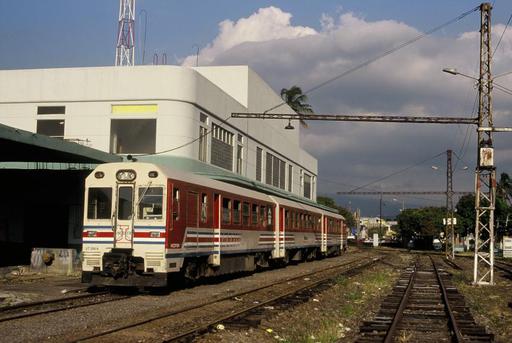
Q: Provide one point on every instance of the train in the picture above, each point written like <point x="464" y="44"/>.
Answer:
<point x="146" y="225"/>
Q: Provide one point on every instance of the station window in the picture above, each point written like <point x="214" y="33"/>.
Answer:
<point x="123" y="132"/>
<point x="259" y="154"/>
<point x="307" y="186"/>
<point x="226" y="211"/>
<point x="52" y="128"/>
<point x="150" y="203"/>
<point x="51" y="110"/>
<point x="99" y="203"/>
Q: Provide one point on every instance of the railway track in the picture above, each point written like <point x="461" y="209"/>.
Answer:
<point x="25" y="310"/>
<point x="423" y="307"/>
<point x="182" y="324"/>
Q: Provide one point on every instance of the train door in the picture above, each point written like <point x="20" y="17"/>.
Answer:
<point x="325" y="222"/>
<point x="282" y="232"/>
<point x="216" y="230"/>
<point x="124" y="216"/>
<point x="193" y="216"/>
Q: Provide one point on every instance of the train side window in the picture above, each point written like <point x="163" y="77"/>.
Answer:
<point x="287" y="218"/>
<point x="176" y="203"/>
<point x="254" y="219"/>
<point x="150" y="203"/>
<point x="245" y="214"/>
<point x="226" y="211"/>
<point x="99" y="203"/>
<point x="236" y="211"/>
<point x="269" y="217"/>
<point x="262" y="216"/>
<point x="204" y="208"/>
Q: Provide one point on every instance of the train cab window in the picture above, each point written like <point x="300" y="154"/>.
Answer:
<point x="254" y="219"/>
<point x="204" y="208"/>
<point x="226" y="211"/>
<point x="150" y="203"/>
<point x="99" y="203"/>
<point x="262" y="216"/>
<point x="269" y="217"/>
<point x="125" y="203"/>
<point x="245" y="214"/>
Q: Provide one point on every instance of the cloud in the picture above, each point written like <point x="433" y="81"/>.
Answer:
<point x="408" y="82"/>
<point x="267" y="24"/>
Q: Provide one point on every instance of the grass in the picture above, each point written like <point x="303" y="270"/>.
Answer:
<point x="355" y="298"/>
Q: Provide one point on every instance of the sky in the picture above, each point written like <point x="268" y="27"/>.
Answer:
<point x="305" y="43"/>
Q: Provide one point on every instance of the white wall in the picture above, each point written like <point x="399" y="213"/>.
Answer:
<point x="181" y="94"/>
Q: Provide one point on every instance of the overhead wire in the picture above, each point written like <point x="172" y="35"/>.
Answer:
<point x="347" y="72"/>
<point x="397" y="172"/>
<point x="382" y="55"/>
<point x="502" y="34"/>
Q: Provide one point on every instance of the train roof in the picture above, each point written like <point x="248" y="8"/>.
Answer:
<point x="181" y="175"/>
<point x="225" y="176"/>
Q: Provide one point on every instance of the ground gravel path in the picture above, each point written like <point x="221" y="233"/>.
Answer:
<point x="68" y="325"/>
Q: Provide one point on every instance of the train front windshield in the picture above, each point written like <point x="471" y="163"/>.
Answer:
<point x="149" y="203"/>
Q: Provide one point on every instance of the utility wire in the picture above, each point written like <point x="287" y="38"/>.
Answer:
<point x="397" y="172"/>
<point x="503" y="33"/>
<point x="383" y="54"/>
<point x="364" y="64"/>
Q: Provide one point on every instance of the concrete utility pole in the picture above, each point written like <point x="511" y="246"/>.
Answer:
<point x="485" y="175"/>
<point x="125" y="46"/>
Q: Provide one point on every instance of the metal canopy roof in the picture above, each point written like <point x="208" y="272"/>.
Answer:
<point x="23" y="146"/>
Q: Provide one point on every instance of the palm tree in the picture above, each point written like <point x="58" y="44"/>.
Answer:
<point x="297" y="101"/>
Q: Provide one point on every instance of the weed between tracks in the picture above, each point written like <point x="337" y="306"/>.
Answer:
<point x="330" y="316"/>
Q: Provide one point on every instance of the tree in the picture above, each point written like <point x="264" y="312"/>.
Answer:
<point x="297" y="101"/>
<point x="418" y="222"/>
<point x="329" y="202"/>
<point x="466" y="214"/>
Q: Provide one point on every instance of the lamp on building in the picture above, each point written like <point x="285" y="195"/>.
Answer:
<point x="289" y="126"/>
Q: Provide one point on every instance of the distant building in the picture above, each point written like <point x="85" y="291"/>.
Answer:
<point x="374" y="223"/>
<point x="170" y="111"/>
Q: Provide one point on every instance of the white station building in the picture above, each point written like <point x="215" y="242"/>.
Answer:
<point x="169" y="114"/>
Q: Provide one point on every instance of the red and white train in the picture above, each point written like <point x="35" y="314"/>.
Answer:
<point x="145" y="223"/>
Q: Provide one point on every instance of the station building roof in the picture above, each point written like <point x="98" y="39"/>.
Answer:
<point x="24" y="146"/>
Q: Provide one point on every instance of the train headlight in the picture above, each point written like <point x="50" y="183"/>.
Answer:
<point x="99" y="175"/>
<point x="154" y="234"/>
<point x="91" y="233"/>
<point x="126" y="175"/>
<point x="153" y="174"/>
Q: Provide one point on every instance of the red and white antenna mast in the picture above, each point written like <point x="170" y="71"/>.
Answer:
<point x="125" y="50"/>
